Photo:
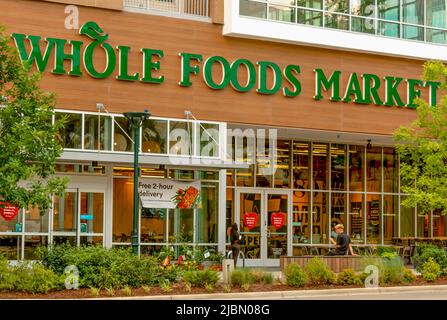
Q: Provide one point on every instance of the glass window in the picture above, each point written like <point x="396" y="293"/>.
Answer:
<point x="407" y="220"/>
<point x="35" y="221"/>
<point x="389" y="9"/>
<point x="71" y="135"/>
<point x="14" y="225"/>
<point x="436" y="36"/>
<point x="10" y="247"/>
<point x="374" y="169"/>
<point x="207" y="214"/>
<point x="32" y="242"/>
<point x="91" y="240"/>
<point x="356" y="217"/>
<point x="436" y="13"/>
<point x="154" y="136"/>
<point x="337" y="5"/>
<point x="65" y="209"/>
<point x="181" y="225"/>
<point x="252" y="9"/>
<point x="70" y="240"/>
<point x="301" y="165"/>
<point x="373" y="214"/>
<point x="320" y="218"/>
<point x="389" y="29"/>
<point x="250" y="205"/>
<point x="92" y="212"/>
<point x="244" y="177"/>
<point x="413" y="33"/>
<point x="310" y="17"/>
<point x="314" y="4"/>
<point x="152" y="172"/>
<point x="282" y="164"/>
<point x="439" y="224"/>
<point x="284" y="2"/>
<point x="423" y="225"/>
<point x="122" y="209"/>
<point x="281" y="13"/>
<point x="320" y="166"/>
<point x="338" y="166"/>
<point x="264" y="167"/>
<point x="153" y="225"/>
<point x="180" y="138"/>
<point x="181" y="174"/>
<point x="363" y="25"/>
<point x="122" y="134"/>
<point x="390" y="170"/>
<point x="301" y="217"/>
<point x="229" y="211"/>
<point x="390" y="218"/>
<point x="356" y="168"/>
<point x="364" y="8"/>
<point x="97" y="138"/>
<point x="230" y="177"/>
<point x="208" y="139"/>
<point x="337" y="21"/>
<point x="338" y="212"/>
<point x="413" y="11"/>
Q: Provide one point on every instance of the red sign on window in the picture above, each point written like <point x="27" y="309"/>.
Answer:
<point x="250" y="219"/>
<point x="278" y="219"/>
<point x="8" y="211"/>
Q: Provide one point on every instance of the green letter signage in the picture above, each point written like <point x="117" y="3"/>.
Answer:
<point x="123" y="54"/>
<point x="371" y="89"/>
<point x="433" y="85"/>
<point x="412" y="92"/>
<point x="251" y="75"/>
<point x="187" y="69"/>
<point x="149" y="65"/>
<point x="353" y="88"/>
<point x="35" y="53"/>
<point x="392" y="97"/>
<point x="321" y="82"/>
<point x="277" y="77"/>
<point x="291" y="78"/>
<point x="208" y="72"/>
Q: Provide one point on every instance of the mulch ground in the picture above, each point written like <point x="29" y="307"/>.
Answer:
<point x="179" y="289"/>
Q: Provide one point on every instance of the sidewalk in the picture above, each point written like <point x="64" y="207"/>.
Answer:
<point x="395" y="293"/>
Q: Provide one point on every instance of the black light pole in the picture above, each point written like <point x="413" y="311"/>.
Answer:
<point x="136" y="121"/>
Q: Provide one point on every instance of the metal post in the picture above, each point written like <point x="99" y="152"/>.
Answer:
<point x="136" y="120"/>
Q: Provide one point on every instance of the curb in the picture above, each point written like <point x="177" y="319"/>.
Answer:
<point x="295" y="294"/>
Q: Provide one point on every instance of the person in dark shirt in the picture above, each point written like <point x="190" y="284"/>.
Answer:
<point x="235" y="243"/>
<point x="343" y="243"/>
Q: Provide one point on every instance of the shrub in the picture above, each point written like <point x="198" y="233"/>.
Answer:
<point x="188" y="287"/>
<point x="246" y="286"/>
<point x="348" y="277"/>
<point x="94" y="292"/>
<point x="242" y="276"/>
<point x="227" y="288"/>
<point x="146" y="289"/>
<point x="381" y="250"/>
<point x="201" y="278"/>
<point x="408" y="276"/>
<point x="166" y="286"/>
<point x="319" y="272"/>
<point x="33" y="278"/>
<point x="425" y="252"/>
<point x="268" y="278"/>
<point x="127" y="291"/>
<point x="391" y="268"/>
<point x="258" y="276"/>
<point x="295" y="275"/>
<point x="110" y="292"/>
<point x="209" y="288"/>
<point x="431" y="270"/>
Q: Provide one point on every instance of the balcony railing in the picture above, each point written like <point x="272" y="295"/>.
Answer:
<point x="195" y="8"/>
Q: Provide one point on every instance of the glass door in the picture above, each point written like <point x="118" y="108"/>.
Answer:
<point x="277" y="226"/>
<point x="263" y="217"/>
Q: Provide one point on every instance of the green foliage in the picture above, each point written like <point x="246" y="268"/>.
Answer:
<point x="319" y="272"/>
<point x="28" y="143"/>
<point x="348" y="278"/>
<point x="94" y="291"/>
<point x="127" y="291"/>
<point x="431" y="270"/>
<point x="227" y="288"/>
<point x="382" y="250"/>
<point x="188" y="287"/>
<point x="165" y="285"/>
<point x="425" y="252"/>
<point x="209" y="288"/>
<point x="28" y="277"/>
<point x="201" y="278"/>
<point x="107" y="268"/>
<point x="408" y="276"/>
<point x="295" y="276"/>
<point x="391" y="268"/>
<point x="268" y="278"/>
<point x="422" y="147"/>
<point x="146" y="289"/>
<point x="246" y="286"/>
<point x="110" y="292"/>
<point x="240" y="277"/>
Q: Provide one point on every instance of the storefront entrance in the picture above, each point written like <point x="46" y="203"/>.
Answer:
<point x="263" y="217"/>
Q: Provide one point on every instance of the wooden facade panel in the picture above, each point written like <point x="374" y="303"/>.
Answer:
<point x="170" y="100"/>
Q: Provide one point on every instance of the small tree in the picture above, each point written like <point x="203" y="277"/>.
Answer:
<point x="423" y="149"/>
<point x="28" y="144"/>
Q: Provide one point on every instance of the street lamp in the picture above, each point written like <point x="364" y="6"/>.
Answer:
<point x="136" y="121"/>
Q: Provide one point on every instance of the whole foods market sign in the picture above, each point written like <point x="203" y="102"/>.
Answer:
<point x="265" y="77"/>
<point x="171" y="194"/>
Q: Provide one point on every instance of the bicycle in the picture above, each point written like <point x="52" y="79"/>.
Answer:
<point x="240" y="256"/>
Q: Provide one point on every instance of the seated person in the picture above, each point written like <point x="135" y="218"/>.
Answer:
<point x="343" y="243"/>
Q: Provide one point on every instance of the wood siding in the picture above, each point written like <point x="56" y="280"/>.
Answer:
<point x="170" y="100"/>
